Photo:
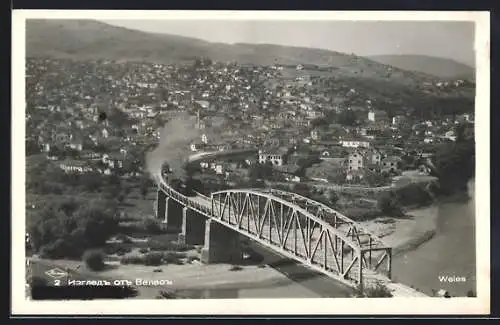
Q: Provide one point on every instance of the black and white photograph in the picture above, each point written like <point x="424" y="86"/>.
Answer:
<point x="208" y="158"/>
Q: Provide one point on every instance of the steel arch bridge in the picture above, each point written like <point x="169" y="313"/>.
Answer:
<point x="304" y="230"/>
<point x="298" y="228"/>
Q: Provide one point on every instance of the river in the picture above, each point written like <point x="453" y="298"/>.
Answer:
<point x="450" y="253"/>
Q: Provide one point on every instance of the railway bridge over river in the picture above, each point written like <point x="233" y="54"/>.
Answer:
<point x="287" y="223"/>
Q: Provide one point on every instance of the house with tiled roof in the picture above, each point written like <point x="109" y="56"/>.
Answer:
<point x="391" y="164"/>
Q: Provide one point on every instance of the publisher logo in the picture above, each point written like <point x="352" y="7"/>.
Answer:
<point x="56" y="273"/>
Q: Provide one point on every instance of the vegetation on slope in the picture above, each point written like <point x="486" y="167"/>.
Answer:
<point x="88" y="39"/>
<point x="440" y="67"/>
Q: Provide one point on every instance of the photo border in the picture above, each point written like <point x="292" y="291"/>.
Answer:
<point x="284" y="306"/>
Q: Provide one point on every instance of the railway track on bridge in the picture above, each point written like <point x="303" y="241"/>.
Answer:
<point x="298" y="228"/>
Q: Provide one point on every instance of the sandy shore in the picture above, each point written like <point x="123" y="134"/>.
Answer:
<point x="406" y="233"/>
<point x="184" y="277"/>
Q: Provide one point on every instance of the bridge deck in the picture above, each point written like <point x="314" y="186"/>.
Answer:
<point x="316" y="244"/>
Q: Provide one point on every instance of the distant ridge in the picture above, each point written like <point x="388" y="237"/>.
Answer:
<point x="439" y="67"/>
<point x="90" y="39"/>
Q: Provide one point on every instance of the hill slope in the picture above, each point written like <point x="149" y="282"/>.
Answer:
<point x="89" y="39"/>
<point x="440" y="67"/>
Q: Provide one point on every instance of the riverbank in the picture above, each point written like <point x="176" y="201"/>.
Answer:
<point x="407" y="232"/>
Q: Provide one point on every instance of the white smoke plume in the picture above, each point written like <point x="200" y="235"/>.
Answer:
<point x="175" y="139"/>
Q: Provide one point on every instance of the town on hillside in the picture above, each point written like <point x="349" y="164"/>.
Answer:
<point x="310" y="128"/>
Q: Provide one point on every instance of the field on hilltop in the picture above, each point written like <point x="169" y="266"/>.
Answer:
<point x="440" y="67"/>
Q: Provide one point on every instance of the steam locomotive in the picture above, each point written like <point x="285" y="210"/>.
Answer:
<point x="186" y="185"/>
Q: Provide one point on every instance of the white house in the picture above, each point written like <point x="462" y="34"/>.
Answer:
<point x="76" y="145"/>
<point x="196" y="146"/>
<point x="219" y="170"/>
<point x="377" y="116"/>
<point x="275" y="158"/>
<point x="75" y="167"/>
<point x="355" y="143"/>
<point x="314" y="135"/>
<point x="450" y="135"/>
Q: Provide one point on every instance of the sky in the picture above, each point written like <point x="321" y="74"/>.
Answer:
<point x="446" y="39"/>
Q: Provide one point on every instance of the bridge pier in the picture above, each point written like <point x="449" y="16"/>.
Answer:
<point x="222" y="245"/>
<point x="193" y="227"/>
<point x="168" y="211"/>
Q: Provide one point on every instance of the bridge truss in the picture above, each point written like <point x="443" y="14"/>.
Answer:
<point x="304" y="230"/>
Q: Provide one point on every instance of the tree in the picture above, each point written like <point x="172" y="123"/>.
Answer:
<point x="332" y="197"/>
<point x="37" y="281"/>
<point x="64" y="229"/>
<point x="389" y="205"/>
<point x="153" y="259"/>
<point x="55" y="151"/>
<point x="302" y="189"/>
<point x="144" y="186"/>
<point x="347" y="118"/>
<point x="151" y="225"/>
<point x="413" y="194"/>
<point x="98" y="220"/>
<point x="94" y="260"/>
<point x="377" y="179"/>
<point x="32" y="148"/>
<point x="455" y="165"/>
<point x="260" y="171"/>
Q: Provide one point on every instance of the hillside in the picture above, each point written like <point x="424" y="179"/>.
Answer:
<point x="88" y="39"/>
<point x="440" y="67"/>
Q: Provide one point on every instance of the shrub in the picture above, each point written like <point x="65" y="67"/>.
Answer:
<point x="121" y="250"/>
<point x="151" y="225"/>
<point x="235" y="268"/>
<point x="37" y="281"/>
<point x="389" y="205"/>
<point x="166" y="294"/>
<point x="183" y="247"/>
<point x="180" y="254"/>
<point x="132" y="259"/>
<point x="143" y="250"/>
<point x="172" y="246"/>
<point x="124" y="238"/>
<point x="110" y="249"/>
<point x="153" y="259"/>
<point x="171" y="257"/>
<point x="413" y="194"/>
<point x="373" y="291"/>
<point x="378" y="291"/>
<point x="61" y="248"/>
<point x="192" y="258"/>
<point x="155" y="246"/>
<point x="94" y="260"/>
<point x="131" y="227"/>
